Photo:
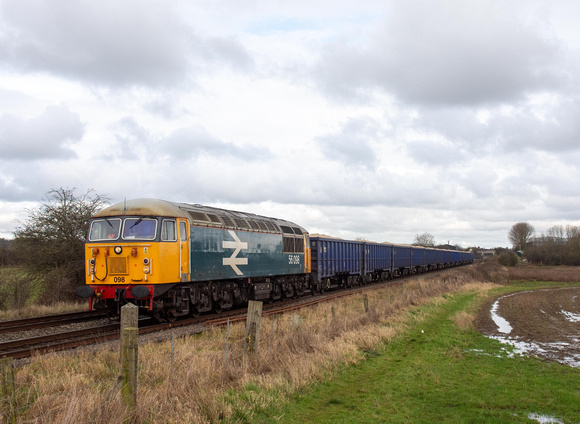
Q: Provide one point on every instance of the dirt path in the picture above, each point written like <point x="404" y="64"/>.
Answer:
<point x="545" y="323"/>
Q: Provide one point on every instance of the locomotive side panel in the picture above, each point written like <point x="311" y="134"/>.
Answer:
<point x="218" y="254"/>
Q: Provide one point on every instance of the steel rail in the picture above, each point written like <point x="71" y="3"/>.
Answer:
<point x="31" y="323"/>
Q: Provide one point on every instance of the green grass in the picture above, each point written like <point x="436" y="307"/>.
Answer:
<point x="439" y="373"/>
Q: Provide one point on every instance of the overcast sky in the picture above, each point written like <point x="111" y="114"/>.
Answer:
<point x="375" y="119"/>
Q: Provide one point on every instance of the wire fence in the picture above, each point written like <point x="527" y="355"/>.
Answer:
<point x="18" y="395"/>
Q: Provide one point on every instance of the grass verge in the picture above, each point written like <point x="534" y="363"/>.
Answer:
<point x="440" y="369"/>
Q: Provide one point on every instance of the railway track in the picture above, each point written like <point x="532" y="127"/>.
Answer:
<point x="34" y="323"/>
<point x="23" y="348"/>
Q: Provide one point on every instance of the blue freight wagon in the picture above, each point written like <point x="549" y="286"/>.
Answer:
<point x="417" y="259"/>
<point x="430" y="258"/>
<point x="378" y="261"/>
<point x="401" y="260"/>
<point x="335" y="262"/>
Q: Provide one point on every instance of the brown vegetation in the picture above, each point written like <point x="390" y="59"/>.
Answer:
<point x="464" y="320"/>
<point x="547" y="273"/>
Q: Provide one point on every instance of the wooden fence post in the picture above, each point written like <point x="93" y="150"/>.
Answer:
<point x="129" y="318"/>
<point x="7" y="391"/>
<point x="366" y="303"/>
<point x="253" y="327"/>
<point x="129" y="371"/>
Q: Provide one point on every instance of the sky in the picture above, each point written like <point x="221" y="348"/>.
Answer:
<point x="371" y="119"/>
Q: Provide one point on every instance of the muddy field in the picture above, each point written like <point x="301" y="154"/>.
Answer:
<point x="545" y="323"/>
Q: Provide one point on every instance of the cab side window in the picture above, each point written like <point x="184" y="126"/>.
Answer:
<point x="168" y="230"/>
<point x="182" y="231"/>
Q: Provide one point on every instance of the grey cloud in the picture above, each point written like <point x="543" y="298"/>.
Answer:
<point x="446" y="53"/>
<point x="133" y="140"/>
<point x="123" y="43"/>
<point x="435" y="153"/>
<point x="195" y="141"/>
<point x="554" y="130"/>
<point x="166" y="106"/>
<point x="49" y="135"/>
<point x="227" y="50"/>
<point x="10" y="189"/>
<point x="550" y="127"/>
<point x="351" y="145"/>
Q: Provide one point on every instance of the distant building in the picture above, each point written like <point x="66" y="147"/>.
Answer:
<point x="486" y="253"/>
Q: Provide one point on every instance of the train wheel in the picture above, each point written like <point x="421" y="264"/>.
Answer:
<point x="218" y="306"/>
<point x="112" y="315"/>
<point x="171" y="317"/>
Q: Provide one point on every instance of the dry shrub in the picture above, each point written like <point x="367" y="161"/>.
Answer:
<point x="482" y="288"/>
<point x="464" y="320"/>
<point x="200" y="388"/>
<point x="489" y="271"/>
<point x="548" y="273"/>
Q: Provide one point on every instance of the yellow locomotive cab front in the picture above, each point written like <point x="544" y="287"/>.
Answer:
<point x="128" y="256"/>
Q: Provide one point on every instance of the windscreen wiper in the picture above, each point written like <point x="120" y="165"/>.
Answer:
<point x="138" y="221"/>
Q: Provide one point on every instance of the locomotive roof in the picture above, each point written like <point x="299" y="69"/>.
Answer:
<point x="202" y="216"/>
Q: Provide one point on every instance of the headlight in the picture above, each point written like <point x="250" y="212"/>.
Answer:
<point x="85" y="291"/>
<point x="139" y="292"/>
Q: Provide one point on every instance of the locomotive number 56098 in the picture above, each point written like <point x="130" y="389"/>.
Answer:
<point x="293" y="260"/>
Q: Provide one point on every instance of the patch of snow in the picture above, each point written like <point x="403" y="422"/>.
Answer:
<point x="571" y="316"/>
<point x="544" y="419"/>
<point x="543" y="349"/>
<point x="502" y="324"/>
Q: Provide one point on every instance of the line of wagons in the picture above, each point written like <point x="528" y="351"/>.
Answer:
<point x="344" y="263"/>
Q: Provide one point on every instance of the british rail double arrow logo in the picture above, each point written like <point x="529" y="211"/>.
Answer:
<point x="233" y="260"/>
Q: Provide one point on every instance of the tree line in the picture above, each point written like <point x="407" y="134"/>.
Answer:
<point x="558" y="245"/>
<point x="47" y="253"/>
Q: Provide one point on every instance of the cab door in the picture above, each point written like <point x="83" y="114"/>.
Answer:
<point x="184" y="250"/>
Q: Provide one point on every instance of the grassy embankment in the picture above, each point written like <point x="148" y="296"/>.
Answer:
<point x="21" y="296"/>
<point x="413" y="357"/>
<point x="441" y="370"/>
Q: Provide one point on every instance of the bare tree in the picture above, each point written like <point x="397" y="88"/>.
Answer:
<point x="557" y="233"/>
<point x="520" y="234"/>
<point x="50" y="243"/>
<point x="425" y="239"/>
<point x="572" y="232"/>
